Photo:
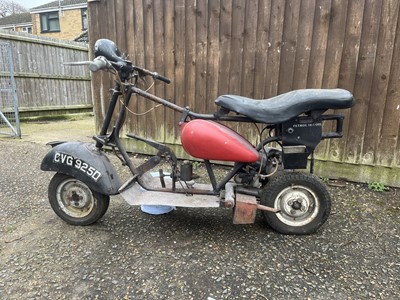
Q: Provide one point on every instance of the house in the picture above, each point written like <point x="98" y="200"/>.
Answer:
<point x="62" y="19"/>
<point x="17" y="22"/>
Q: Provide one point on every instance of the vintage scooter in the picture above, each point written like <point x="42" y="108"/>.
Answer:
<point x="262" y="177"/>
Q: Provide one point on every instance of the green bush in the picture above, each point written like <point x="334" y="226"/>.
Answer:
<point x="377" y="186"/>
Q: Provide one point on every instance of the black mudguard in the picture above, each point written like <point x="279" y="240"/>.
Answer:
<point x="84" y="162"/>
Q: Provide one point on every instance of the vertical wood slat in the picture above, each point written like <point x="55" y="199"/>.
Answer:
<point x="96" y="83"/>
<point x="190" y="52"/>
<point x="159" y="65"/>
<point x="129" y="9"/>
<point x="213" y="52"/>
<point x="236" y="45"/>
<point x="148" y="29"/>
<point x="376" y="107"/>
<point x="389" y="144"/>
<point x="224" y="46"/>
<point x="265" y="47"/>
<point x="303" y="47"/>
<point x="348" y="67"/>
<point x="110" y="32"/>
<point x="262" y="35"/>
<point x="169" y="49"/>
<point x="274" y="48"/>
<point x="179" y="62"/>
<point x="138" y="105"/>
<point x="289" y="43"/>
<point x="201" y="13"/>
<point x="336" y="33"/>
<point x="249" y="48"/>
<point x="319" y="43"/>
<point x="363" y="81"/>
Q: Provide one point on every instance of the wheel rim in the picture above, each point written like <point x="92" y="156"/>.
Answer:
<point x="75" y="198"/>
<point x="298" y="205"/>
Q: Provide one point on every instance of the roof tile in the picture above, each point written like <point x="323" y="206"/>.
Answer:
<point x="56" y="4"/>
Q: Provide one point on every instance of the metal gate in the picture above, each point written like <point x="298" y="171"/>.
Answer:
<point x="9" y="116"/>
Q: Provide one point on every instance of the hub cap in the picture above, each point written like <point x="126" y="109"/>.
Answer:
<point x="75" y="198"/>
<point x="298" y="205"/>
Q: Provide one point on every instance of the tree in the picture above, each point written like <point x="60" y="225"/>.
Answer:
<point x="9" y="7"/>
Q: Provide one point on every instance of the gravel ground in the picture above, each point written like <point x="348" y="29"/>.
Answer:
<point x="189" y="253"/>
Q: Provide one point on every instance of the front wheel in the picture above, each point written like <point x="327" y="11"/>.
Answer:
<point x="74" y="202"/>
<point x="303" y="201"/>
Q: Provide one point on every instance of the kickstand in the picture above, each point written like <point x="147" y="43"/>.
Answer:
<point x="162" y="175"/>
<point x="312" y="163"/>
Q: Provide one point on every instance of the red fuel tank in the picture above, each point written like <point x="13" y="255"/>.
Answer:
<point x="212" y="141"/>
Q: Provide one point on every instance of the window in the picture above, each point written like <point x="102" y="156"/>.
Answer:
<point x="49" y="22"/>
<point x="27" y="29"/>
<point x="84" y="18"/>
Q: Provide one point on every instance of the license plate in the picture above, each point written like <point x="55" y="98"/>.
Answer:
<point x="77" y="163"/>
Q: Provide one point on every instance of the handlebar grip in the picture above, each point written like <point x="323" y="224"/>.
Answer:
<point x="162" y="78"/>
<point x="98" y="63"/>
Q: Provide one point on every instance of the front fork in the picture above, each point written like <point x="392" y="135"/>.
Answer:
<point x="113" y="140"/>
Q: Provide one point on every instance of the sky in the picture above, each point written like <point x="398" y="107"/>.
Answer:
<point x="32" y="3"/>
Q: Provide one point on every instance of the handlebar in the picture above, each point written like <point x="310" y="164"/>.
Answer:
<point x="162" y="78"/>
<point x="155" y="75"/>
<point x="108" y="56"/>
<point x="99" y="63"/>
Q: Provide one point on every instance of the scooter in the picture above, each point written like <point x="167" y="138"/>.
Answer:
<point x="261" y="177"/>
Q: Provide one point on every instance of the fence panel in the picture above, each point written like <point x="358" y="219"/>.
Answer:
<point x="42" y="81"/>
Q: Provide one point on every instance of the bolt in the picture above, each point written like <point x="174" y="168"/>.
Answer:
<point x="296" y="205"/>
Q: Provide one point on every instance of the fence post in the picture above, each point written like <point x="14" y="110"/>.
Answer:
<point x="9" y="115"/>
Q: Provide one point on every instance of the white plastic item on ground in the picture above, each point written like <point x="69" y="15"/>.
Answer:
<point x="156" y="209"/>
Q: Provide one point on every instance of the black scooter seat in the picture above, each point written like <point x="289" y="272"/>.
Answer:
<point x="287" y="106"/>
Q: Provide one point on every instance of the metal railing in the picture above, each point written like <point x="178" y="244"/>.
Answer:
<point x="9" y="116"/>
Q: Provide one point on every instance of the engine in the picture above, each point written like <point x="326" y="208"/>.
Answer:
<point x="256" y="173"/>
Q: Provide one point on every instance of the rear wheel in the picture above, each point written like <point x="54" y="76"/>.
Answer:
<point x="303" y="201"/>
<point x="74" y="202"/>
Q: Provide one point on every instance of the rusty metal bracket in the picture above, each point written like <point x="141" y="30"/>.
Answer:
<point x="148" y="165"/>
<point x="164" y="150"/>
<point x="246" y="208"/>
<point x="229" y="199"/>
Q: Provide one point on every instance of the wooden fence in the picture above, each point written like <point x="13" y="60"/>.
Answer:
<point x="43" y="83"/>
<point x="262" y="48"/>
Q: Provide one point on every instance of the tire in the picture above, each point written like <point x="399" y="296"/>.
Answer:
<point x="303" y="201"/>
<point x="74" y="202"/>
